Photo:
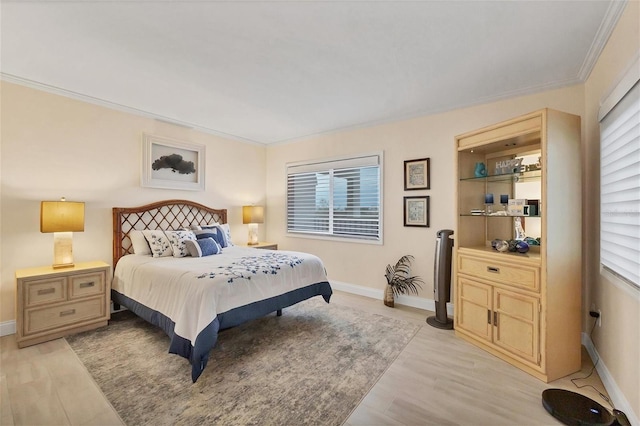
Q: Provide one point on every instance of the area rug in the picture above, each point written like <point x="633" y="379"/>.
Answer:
<point x="312" y="365"/>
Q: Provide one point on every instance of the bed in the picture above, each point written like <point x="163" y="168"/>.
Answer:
<point x="193" y="297"/>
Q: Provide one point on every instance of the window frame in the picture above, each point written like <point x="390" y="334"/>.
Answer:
<point x="629" y="82"/>
<point x="338" y="237"/>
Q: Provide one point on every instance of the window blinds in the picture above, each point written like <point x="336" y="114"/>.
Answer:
<point x="338" y="198"/>
<point x="620" y="188"/>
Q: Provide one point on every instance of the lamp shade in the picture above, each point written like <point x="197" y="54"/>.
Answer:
<point x="61" y="216"/>
<point x="252" y="214"/>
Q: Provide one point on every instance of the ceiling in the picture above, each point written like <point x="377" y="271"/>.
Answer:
<point x="274" y="71"/>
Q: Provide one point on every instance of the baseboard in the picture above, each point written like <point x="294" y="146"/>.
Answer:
<point x="617" y="397"/>
<point x="7" y="328"/>
<point x="413" y="301"/>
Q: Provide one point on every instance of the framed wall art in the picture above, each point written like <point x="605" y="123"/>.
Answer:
<point x="416" y="174"/>
<point x="416" y="211"/>
<point x="172" y="164"/>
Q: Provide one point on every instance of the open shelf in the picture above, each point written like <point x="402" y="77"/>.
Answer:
<point x="498" y="215"/>
<point x="530" y="176"/>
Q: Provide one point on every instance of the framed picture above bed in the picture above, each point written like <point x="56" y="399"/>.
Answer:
<point x="172" y="164"/>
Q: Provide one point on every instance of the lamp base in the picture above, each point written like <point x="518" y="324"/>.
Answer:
<point x="253" y="234"/>
<point x="63" y="265"/>
<point x="62" y="250"/>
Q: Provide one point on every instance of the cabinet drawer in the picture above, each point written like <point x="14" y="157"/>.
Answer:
<point x="83" y="285"/>
<point x="38" y="292"/>
<point x="522" y="276"/>
<point x="73" y="313"/>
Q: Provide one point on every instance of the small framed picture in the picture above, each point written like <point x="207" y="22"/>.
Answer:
<point x="416" y="174"/>
<point x="516" y="207"/>
<point x="416" y="211"/>
<point x="172" y="164"/>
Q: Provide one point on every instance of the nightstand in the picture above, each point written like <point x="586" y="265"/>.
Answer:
<point x="265" y="246"/>
<point x="53" y="303"/>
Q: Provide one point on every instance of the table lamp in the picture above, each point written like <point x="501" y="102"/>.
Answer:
<point x="62" y="218"/>
<point x="252" y="216"/>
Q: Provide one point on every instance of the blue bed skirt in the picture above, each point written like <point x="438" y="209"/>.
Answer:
<point x="198" y="353"/>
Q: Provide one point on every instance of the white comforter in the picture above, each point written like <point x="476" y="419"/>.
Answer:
<point x="193" y="291"/>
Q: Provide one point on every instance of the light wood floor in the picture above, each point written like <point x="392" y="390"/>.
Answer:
<point x="436" y="380"/>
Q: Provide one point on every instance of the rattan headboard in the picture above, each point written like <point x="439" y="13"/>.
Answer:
<point x="169" y="214"/>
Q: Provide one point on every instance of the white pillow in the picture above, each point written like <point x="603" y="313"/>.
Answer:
<point x="158" y="242"/>
<point x="178" y="239"/>
<point x="139" y="243"/>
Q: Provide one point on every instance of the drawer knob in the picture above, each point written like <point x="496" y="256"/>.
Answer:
<point x="86" y="285"/>
<point x="46" y="291"/>
<point x="69" y="312"/>
<point x="493" y="269"/>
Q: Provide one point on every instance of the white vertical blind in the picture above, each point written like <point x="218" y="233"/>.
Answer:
<point x="340" y="198"/>
<point x="620" y="188"/>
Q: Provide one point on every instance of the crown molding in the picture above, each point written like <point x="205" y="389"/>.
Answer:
<point x="531" y="90"/>
<point x="607" y="25"/>
<point x="119" y="107"/>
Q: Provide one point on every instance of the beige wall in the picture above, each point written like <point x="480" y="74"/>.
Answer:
<point x="618" y="339"/>
<point x="430" y="136"/>
<point x="54" y="146"/>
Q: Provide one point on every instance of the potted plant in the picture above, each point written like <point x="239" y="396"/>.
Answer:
<point x="399" y="280"/>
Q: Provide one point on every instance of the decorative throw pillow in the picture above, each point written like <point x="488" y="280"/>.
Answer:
<point x="139" y="243"/>
<point x="214" y="233"/>
<point x="227" y="233"/>
<point x="178" y="239"/>
<point x="203" y="247"/>
<point x="224" y="229"/>
<point x="158" y="242"/>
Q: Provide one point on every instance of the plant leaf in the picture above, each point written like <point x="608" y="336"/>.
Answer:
<point x="398" y="277"/>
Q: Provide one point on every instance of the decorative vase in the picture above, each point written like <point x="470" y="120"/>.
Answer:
<point x="388" y="296"/>
<point x="522" y="247"/>
<point x="480" y="170"/>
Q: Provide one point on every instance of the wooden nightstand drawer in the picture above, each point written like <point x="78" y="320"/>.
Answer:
<point x="263" y="245"/>
<point x="53" y="303"/>
<point x="43" y="319"/>
<point x="50" y="290"/>
<point x="267" y="246"/>
<point x="83" y="285"/>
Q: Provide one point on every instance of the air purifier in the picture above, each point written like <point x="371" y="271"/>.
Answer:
<point x="442" y="279"/>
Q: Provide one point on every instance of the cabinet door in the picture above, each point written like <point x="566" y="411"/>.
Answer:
<point x="474" y="308"/>
<point x="517" y="324"/>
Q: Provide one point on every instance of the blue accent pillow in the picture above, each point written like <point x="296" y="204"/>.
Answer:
<point x="203" y="247"/>
<point x="211" y="233"/>
<point x="222" y="230"/>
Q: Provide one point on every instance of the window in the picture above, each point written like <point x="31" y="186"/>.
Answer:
<point x="620" y="186"/>
<point x="336" y="198"/>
